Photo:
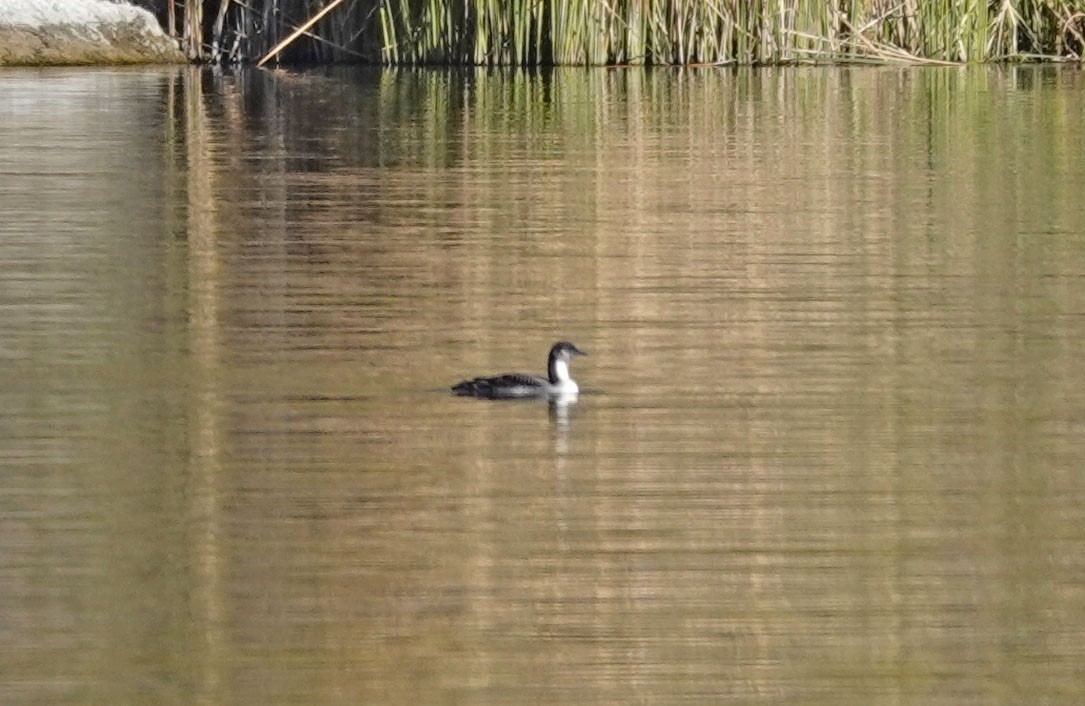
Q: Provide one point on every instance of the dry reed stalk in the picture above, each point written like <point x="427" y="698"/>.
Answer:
<point x="299" y="31"/>
<point x="889" y="53"/>
<point x="217" y="34"/>
<point x="193" y="33"/>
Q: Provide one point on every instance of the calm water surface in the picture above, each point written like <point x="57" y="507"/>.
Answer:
<point x="832" y="450"/>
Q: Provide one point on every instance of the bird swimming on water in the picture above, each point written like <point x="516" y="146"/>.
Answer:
<point x="518" y="385"/>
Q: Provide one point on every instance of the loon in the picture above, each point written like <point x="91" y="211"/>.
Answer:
<point x="516" y="385"/>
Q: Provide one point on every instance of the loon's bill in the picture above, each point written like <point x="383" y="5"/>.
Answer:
<point x="518" y="385"/>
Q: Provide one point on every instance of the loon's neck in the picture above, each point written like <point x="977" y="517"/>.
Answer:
<point x="558" y="369"/>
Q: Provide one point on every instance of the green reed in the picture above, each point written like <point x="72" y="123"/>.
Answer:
<point x="683" y="32"/>
<point x="729" y="31"/>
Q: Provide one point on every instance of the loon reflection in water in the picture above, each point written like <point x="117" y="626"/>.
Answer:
<point x="520" y="385"/>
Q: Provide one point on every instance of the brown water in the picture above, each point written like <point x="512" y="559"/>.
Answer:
<point x="831" y="450"/>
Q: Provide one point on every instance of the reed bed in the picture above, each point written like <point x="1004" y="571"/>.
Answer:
<point x="636" y="32"/>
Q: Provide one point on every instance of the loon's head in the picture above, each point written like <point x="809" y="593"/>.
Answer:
<point x="558" y="365"/>
<point x="566" y="350"/>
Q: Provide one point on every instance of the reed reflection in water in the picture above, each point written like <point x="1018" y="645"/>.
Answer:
<point x="829" y="450"/>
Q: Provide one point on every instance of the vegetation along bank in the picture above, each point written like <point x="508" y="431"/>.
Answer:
<point x="577" y="32"/>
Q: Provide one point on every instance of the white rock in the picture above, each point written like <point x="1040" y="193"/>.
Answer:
<point x="43" y="13"/>
<point x="81" y="32"/>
